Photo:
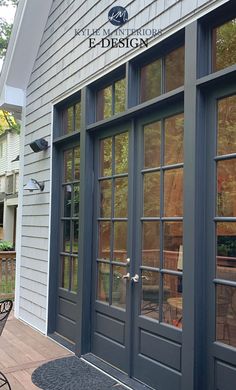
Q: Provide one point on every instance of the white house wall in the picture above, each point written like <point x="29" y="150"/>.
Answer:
<point x="64" y="64"/>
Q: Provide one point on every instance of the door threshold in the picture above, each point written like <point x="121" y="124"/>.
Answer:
<point x="63" y="341"/>
<point x="115" y="373"/>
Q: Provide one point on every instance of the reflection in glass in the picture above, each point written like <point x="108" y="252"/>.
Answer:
<point x="151" y="194"/>
<point x="104" y="103"/>
<point x="224" y="45"/>
<point x="106" y="157"/>
<point x="150" y="84"/>
<point x="67" y="120"/>
<point x="174" y="136"/>
<point x="174" y="69"/>
<point x="120" y="241"/>
<point x="173" y="192"/>
<point x="226" y="188"/>
<point x="119" y="287"/>
<point x="78" y="116"/>
<point x="65" y="272"/>
<point x="66" y="236"/>
<point x="121" y="153"/>
<point x="226" y="125"/>
<point x="75" y="242"/>
<point x="105" y="198"/>
<point x="67" y="200"/>
<point x="226" y="314"/>
<point x="68" y="158"/>
<point x="151" y="244"/>
<point x="74" y="274"/>
<point x="103" y="282"/>
<point x="104" y="240"/>
<point x="120" y="94"/>
<point x="173" y="246"/>
<point x="76" y="200"/>
<point x="121" y="198"/>
<point x="150" y="294"/>
<point x="173" y="301"/>
<point x="77" y="163"/>
<point x="152" y="145"/>
<point x="226" y="251"/>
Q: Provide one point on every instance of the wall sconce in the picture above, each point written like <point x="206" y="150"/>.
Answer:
<point x="34" y="185"/>
<point x="39" y="144"/>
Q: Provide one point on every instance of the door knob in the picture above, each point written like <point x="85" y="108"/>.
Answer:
<point x="135" y="278"/>
<point x="127" y="276"/>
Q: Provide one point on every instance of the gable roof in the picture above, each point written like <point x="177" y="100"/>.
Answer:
<point x="30" y="20"/>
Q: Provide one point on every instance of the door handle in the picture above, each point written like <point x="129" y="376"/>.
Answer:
<point x="135" y="278"/>
<point x="127" y="276"/>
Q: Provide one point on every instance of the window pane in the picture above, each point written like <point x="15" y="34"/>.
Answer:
<point x="224" y="45"/>
<point x="173" y="245"/>
<point x="226" y="251"/>
<point x="105" y="198"/>
<point x="150" y="81"/>
<point x="106" y="157"/>
<point x="77" y="163"/>
<point x="121" y="198"/>
<point x="68" y="164"/>
<point x="104" y="103"/>
<point x="174" y="137"/>
<point x="65" y="272"/>
<point x="119" y="287"/>
<point x="75" y="242"/>
<point x="67" y="120"/>
<point x="67" y="200"/>
<point x="120" y="94"/>
<point x="227" y="125"/>
<point x="76" y="199"/>
<point x="226" y="314"/>
<point x="150" y="294"/>
<point x="66" y="236"/>
<point x="174" y="69"/>
<point x="103" y="282"/>
<point x="226" y="188"/>
<point x="74" y="274"/>
<point x="78" y="116"/>
<point x="151" y="194"/>
<point x="173" y="301"/>
<point x="151" y="244"/>
<point x="152" y="145"/>
<point x="104" y="240"/>
<point x="121" y="153"/>
<point x="120" y="241"/>
<point x="173" y="193"/>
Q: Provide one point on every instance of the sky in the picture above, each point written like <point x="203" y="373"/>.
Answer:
<point x="8" y="14"/>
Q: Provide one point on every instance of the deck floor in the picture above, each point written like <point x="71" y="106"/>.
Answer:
<point x="22" y="349"/>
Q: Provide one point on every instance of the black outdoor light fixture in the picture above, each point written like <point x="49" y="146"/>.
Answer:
<point x="39" y="144"/>
<point x="34" y="185"/>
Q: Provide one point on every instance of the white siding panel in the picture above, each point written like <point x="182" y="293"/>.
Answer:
<point x="33" y="297"/>
<point x="35" y="231"/>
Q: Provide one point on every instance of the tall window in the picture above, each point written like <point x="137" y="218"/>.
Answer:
<point x="70" y="219"/>
<point x="71" y="119"/>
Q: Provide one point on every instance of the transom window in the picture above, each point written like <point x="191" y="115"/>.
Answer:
<point x="162" y="75"/>
<point x="111" y="99"/>
<point x="71" y="119"/>
<point x="224" y="45"/>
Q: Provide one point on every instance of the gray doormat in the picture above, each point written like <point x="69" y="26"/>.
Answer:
<point x="71" y="373"/>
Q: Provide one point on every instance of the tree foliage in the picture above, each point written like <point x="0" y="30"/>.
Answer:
<point x="7" y="121"/>
<point x="5" y="28"/>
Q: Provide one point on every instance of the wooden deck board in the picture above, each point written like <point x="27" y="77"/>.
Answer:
<point x="22" y="350"/>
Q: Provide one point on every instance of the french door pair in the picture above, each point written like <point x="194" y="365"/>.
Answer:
<point x="138" y="249"/>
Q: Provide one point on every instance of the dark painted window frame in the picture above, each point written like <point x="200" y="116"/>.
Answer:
<point x="198" y="81"/>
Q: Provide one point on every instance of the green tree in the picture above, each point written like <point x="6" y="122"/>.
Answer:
<point x="5" y="28"/>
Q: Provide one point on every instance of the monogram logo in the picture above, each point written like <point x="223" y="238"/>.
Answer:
<point x="118" y="16"/>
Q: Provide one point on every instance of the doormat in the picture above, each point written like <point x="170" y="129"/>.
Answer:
<point x="71" y="373"/>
